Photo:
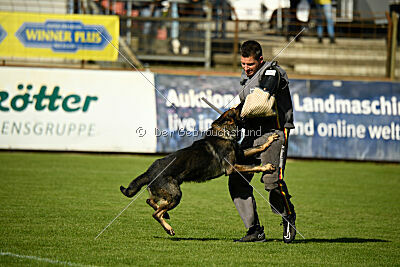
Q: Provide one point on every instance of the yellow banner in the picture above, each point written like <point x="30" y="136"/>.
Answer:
<point x="71" y="36"/>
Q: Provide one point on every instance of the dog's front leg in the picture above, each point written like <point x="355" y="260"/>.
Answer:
<point x="254" y="150"/>
<point x="250" y="169"/>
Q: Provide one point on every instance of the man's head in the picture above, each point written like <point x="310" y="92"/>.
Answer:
<point x="251" y="57"/>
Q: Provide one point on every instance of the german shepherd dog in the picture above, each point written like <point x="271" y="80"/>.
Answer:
<point x="205" y="159"/>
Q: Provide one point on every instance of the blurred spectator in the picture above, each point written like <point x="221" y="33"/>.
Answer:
<point x="114" y="7"/>
<point x="293" y="25"/>
<point x="175" y="43"/>
<point x="194" y="9"/>
<point x="150" y="28"/>
<point x="325" y="6"/>
<point x="221" y="13"/>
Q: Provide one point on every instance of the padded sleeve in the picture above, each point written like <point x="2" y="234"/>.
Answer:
<point x="270" y="80"/>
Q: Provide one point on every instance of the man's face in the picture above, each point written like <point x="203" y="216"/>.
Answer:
<point x="250" y="65"/>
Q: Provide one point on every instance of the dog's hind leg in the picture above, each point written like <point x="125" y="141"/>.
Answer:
<point x="167" y="197"/>
<point x="158" y="215"/>
<point x="154" y="205"/>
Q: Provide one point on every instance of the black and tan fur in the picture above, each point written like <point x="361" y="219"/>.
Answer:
<point x="204" y="160"/>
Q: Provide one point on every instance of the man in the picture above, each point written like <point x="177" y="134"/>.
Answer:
<point x="292" y="24"/>
<point x="272" y="79"/>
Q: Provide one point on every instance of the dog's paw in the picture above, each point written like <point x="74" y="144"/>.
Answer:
<point x="171" y="232"/>
<point x="268" y="167"/>
<point x="273" y="137"/>
<point x="270" y="140"/>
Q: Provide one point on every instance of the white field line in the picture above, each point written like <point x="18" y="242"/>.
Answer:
<point x="35" y="258"/>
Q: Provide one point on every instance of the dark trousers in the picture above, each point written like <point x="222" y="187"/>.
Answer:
<point x="242" y="192"/>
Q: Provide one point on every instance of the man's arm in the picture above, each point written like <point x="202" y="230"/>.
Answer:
<point x="270" y="81"/>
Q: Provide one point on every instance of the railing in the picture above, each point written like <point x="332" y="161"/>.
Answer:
<point x="186" y="32"/>
<point x="179" y="31"/>
<point x="362" y="25"/>
<point x="37" y="6"/>
<point x="152" y="39"/>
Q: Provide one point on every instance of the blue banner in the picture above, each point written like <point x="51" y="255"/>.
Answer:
<point x="346" y="120"/>
<point x="334" y="119"/>
<point x="63" y="36"/>
<point x="182" y="117"/>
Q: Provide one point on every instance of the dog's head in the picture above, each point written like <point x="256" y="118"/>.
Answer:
<point x="229" y="124"/>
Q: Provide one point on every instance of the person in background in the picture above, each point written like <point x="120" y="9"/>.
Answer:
<point x="325" y="7"/>
<point x="151" y="9"/>
<point x="221" y="15"/>
<point x="292" y="24"/>
<point x="175" y="43"/>
<point x="190" y="34"/>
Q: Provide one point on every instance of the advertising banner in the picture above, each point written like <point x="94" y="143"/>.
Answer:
<point x="69" y="36"/>
<point x="182" y="117"/>
<point x="79" y="110"/>
<point x="334" y="119"/>
<point x="346" y="120"/>
<point x="121" y="111"/>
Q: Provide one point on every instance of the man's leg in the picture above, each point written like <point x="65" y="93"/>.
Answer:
<point x="242" y="196"/>
<point x="279" y="196"/>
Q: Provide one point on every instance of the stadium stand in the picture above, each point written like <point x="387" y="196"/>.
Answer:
<point x="207" y="40"/>
<point x="39" y="6"/>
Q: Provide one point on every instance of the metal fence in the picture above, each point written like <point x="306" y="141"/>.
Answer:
<point x="206" y="27"/>
<point x="193" y="31"/>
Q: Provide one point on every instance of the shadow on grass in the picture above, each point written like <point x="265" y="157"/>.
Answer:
<point x="341" y="240"/>
<point x="311" y="240"/>
<point x="188" y="238"/>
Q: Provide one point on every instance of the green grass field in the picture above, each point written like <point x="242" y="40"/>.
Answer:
<point x="53" y="206"/>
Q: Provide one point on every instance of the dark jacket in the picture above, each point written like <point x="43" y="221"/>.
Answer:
<point x="271" y="78"/>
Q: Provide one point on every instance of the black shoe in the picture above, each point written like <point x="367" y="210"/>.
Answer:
<point x="320" y="40"/>
<point x="332" y="40"/>
<point x="254" y="234"/>
<point x="289" y="232"/>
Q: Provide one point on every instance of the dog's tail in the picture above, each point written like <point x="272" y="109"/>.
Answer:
<point x="135" y="185"/>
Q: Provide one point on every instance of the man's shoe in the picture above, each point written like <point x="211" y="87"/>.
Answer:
<point x="254" y="234"/>
<point x="289" y="231"/>
<point x="176" y="45"/>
